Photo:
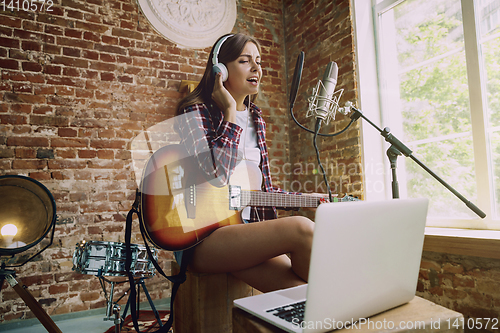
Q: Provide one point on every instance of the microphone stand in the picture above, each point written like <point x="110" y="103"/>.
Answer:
<point x="398" y="148"/>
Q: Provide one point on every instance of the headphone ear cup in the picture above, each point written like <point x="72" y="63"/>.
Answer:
<point x="220" y="68"/>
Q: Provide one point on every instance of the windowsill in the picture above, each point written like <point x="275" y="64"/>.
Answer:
<point x="476" y="243"/>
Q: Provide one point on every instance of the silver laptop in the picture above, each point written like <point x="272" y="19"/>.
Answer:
<point x="365" y="259"/>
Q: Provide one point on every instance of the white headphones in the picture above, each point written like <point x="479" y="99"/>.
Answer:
<point x="219" y="67"/>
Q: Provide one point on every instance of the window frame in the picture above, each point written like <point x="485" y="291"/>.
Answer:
<point x="377" y="169"/>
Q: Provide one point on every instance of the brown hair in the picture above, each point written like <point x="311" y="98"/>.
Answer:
<point x="230" y="50"/>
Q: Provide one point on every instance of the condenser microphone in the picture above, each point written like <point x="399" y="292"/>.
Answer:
<point x="324" y="102"/>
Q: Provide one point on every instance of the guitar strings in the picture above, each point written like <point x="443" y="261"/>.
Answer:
<point x="259" y="198"/>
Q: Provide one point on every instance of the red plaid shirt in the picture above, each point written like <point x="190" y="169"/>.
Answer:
<point x="214" y="143"/>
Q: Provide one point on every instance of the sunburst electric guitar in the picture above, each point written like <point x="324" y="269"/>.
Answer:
<point x="179" y="207"/>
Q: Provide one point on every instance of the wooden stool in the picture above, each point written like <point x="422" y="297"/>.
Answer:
<point x="418" y="315"/>
<point x="204" y="302"/>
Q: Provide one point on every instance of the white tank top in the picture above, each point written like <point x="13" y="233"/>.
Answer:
<point x="248" y="149"/>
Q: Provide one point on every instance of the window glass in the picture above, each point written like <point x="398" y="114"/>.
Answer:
<point x="489" y="12"/>
<point x="425" y="99"/>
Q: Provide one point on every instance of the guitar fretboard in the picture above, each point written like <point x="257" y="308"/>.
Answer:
<point x="257" y="198"/>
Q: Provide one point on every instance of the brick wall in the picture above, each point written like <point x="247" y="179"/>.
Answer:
<point x="264" y="20"/>
<point x="323" y="30"/>
<point x="469" y="285"/>
<point x="77" y="85"/>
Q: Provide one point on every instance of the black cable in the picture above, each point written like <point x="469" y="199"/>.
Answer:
<point x="325" y="178"/>
<point x="328" y="135"/>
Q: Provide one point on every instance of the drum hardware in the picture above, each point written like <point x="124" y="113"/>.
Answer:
<point x="106" y="260"/>
<point x="113" y="308"/>
<point x="118" y="320"/>
<point x="27" y="215"/>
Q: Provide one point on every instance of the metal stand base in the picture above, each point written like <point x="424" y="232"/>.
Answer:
<point x="118" y="319"/>
<point x="112" y="307"/>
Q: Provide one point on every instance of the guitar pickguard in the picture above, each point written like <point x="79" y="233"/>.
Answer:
<point x="235" y="197"/>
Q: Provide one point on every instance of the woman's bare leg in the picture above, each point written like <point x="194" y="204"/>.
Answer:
<point x="273" y="274"/>
<point x="254" y="252"/>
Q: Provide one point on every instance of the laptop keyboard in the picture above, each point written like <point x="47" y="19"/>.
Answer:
<point x="290" y="312"/>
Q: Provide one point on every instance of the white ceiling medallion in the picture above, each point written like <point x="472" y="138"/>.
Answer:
<point x="191" y="23"/>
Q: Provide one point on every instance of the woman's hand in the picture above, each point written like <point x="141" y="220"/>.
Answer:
<point x="224" y="100"/>
<point x="322" y="198"/>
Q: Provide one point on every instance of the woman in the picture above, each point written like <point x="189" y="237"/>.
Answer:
<point x="221" y="127"/>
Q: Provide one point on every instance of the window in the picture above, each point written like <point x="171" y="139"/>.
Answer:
<point x="432" y="68"/>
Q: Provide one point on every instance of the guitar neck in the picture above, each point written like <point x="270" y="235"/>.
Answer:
<point x="266" y="199"/>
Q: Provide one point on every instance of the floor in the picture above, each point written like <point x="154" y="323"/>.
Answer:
<point x="91" y="321"/>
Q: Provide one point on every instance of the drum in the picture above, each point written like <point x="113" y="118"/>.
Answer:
<point x="108" y="259"/>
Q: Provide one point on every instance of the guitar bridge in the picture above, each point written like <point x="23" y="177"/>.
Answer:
<point x="190" y="201"/>
<point x="234" y="197"/>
